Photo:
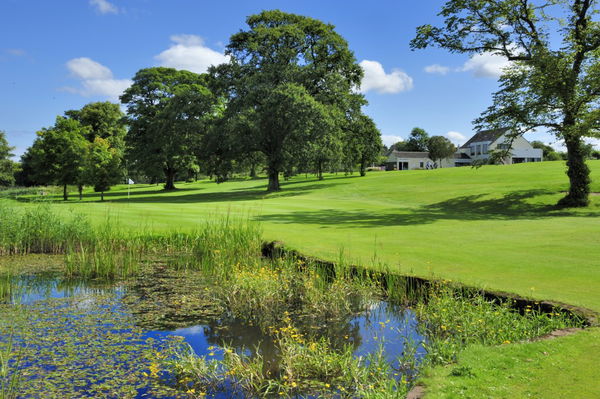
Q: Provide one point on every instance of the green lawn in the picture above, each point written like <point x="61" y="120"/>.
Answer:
<point x="494" y="227"/>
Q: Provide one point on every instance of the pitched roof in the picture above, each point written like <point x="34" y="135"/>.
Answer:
<point x="485" y="135"/>
<point x="408" y="154"/>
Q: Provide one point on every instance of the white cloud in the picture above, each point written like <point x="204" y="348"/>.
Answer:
<point x="188" y="52"/>
<point x="390" y="139"/>
<point x="377" y="80"/>
<point x="456" y="137"/>
<point x="486" y="65"/>
<point x="437" y="69"/>
<point x="104" y="7"/>
<point x="96" y="79"/>
<point x="17" y="52"/>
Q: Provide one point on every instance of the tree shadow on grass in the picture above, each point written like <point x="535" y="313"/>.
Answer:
<point x="512" y="206"/>
<point x="198" y="195"/>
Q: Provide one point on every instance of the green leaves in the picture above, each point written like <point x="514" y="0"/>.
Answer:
<point x="289" y="75"/>
<point x="168" y="113"/>
<point x="552" y="84"/>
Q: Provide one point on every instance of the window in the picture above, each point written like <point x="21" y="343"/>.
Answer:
<point x="478" y="149"/>
<point x="421" y="164"/>
<point x="472" y="149"/>
<point x="503" y="146"/>
<point x="484" y="149"/>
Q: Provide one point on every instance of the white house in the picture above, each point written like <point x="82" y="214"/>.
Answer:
<point x="409" y="160"/>
<point x="479" y="146"/>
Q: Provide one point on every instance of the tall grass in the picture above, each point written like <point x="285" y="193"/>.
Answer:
<point x="107" y="251"/>
<point x="40" y="230"/>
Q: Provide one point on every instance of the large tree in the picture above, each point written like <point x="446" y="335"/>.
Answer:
<point x="363" y="142"/>
<point x="440" y="148"/>
<point x="284" y="71"/>
<point x="7" y="166"/>
<point x="168" y="111"/>
<point x="102" y="168"/>
<point x="417" y="141"/>
<point x="104" y="120"/>
<point x="554" y="78"/>
<point x="58" y="154"/>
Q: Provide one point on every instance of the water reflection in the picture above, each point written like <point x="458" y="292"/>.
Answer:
<point x="176" y="313"/>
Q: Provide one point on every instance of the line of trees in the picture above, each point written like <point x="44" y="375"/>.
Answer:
<point x="286" y="103"/>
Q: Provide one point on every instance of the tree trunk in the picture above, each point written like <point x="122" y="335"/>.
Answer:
<point x="80" y="189"/>
<point x="253" y="171"/>
<point x="363" y="167"/>
<point x="65" y="194"/>
<point x="102" y="196"/>
<point x="579" y="175"/>
<point x="320" y="170"/>
<point x="170" y="175"/>
<point x="273" y="180"/>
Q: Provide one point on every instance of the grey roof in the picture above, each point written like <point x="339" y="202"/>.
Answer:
<point x="485" y="135"/>
<point x="409" y="154"/>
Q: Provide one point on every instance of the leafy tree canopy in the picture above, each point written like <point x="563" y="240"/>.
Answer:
<point x="105" y="120"/>
<point x="58" y="154"/>
<point x="440" y="148"/>
<point x="168" y="111"/>
<point x="286" y="70"/>
<point x="102" y="169"/>
<point x="7" y="166"/>
<point x="554" y="78"/>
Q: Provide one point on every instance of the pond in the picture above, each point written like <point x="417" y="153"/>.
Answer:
<point x="84" y="339"/>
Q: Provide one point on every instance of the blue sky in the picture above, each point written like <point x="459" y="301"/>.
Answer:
<point x="61" y="54"/>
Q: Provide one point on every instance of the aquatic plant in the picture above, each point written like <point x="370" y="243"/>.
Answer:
<point x="306" y="367"/>
<point x="454" y="318"/>
<point x="10" y="371"/>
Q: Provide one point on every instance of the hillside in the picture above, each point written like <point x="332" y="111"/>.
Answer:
<point x="494" y="227"/>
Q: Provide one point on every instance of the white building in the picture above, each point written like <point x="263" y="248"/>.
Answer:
<point x="478" y="148"/>
<point x="409" y="160"/>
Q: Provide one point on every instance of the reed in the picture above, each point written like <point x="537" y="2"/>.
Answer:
<point x="107" y="251"/>
<point x="10" y="372"/>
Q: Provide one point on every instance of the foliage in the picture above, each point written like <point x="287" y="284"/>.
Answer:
<point x="105" y="120"/>
<point x="168" y="112"/>
<point x="58" y="154"/>
<point x="454" y="320"/>
<point x="362" y="142"/>
<point x="286" y="74"/>
<point x="551" y="83"/>
<point x="548" y="152"/>
<point x="7" y="167"/>
<point x="440" y="148"/>
<point x="103" y="164"/>
<point x="417" y="141"/>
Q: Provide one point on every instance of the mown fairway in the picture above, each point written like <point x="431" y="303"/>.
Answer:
<point x="494" y="227"/>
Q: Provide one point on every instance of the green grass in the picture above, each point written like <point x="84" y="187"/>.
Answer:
<point x="494" y="227"/>
<point x="566" y="367"/>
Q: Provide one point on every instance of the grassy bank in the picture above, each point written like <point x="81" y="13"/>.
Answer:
<point x="495" y="227"/>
